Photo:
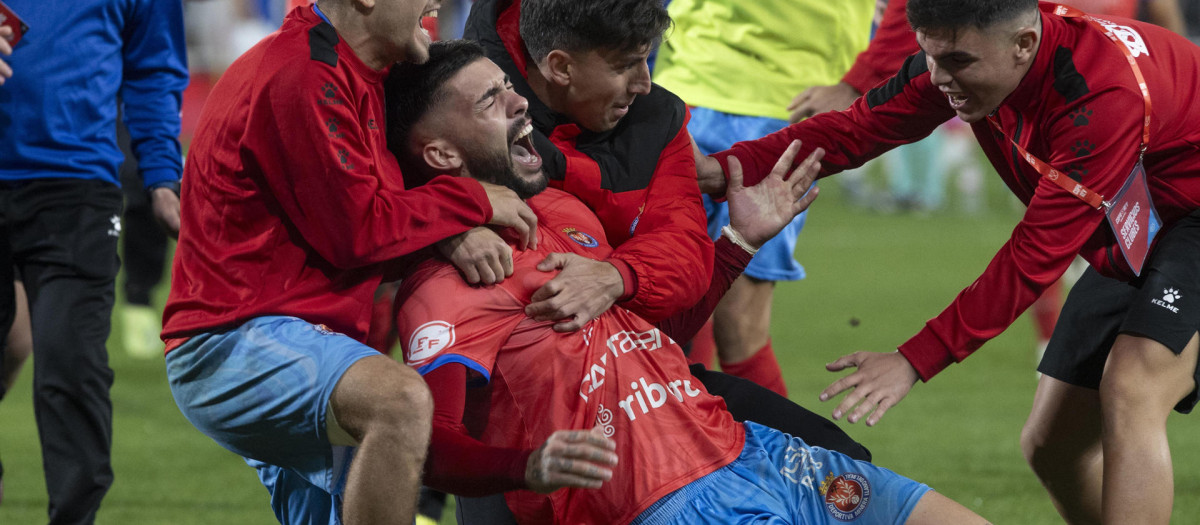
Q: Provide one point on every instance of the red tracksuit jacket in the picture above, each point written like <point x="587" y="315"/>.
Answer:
<point x="1079" y="109"/>
<point x="292" y="204"/>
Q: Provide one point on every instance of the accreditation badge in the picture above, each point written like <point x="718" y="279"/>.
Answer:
<point x="1133" y="219"/>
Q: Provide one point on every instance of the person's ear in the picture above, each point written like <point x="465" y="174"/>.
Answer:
<point x="441" y="156"/>
<point x="557" y="67"/>
<point x="1027" y="39"/>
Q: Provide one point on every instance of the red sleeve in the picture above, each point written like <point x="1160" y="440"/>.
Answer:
<point x="729" y="261"/>
<point x="894" y="41"/>
<point x="906" y="109"/>
<point x="457" y="463"/>
<point x="671" y="254"/>
<point x="342" y="190"/>
<point x="1055" y="226"/>
<point x="435" y="329"/>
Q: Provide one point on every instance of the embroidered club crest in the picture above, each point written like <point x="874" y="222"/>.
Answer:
<point x="847" y="496"/>
<point x="581" y="238"/>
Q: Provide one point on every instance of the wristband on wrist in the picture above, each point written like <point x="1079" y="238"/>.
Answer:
<point x="737" y="239"/>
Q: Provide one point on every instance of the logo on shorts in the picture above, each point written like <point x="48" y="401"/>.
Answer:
<point x="1170" y="295"/>
<point x="580" y="238"/>
<point x="115" y="229"/>
<point x="847" y="496"/>
<point x="429" y="339"/>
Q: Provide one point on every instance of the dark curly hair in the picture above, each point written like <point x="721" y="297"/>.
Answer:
<point x="952" y="15"/>
<point x="412" y="89"/>
<point x="587" y="25"/>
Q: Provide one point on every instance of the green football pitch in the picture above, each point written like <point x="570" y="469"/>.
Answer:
<point x="873" y="281"/>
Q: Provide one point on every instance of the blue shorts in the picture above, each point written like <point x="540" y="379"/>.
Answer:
<point x="262" y="391"/>
<point x="715" y="131"/>
<point x="780" y="479"/>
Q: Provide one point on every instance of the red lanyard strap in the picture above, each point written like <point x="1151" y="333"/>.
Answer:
<point x="1093" y="199"/>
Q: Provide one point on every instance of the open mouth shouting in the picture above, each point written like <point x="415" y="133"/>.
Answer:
<point x="521" y="149"/>
<point x="431" y="11"/>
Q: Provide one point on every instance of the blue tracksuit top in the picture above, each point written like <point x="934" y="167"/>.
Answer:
<point x="58" y="112"/>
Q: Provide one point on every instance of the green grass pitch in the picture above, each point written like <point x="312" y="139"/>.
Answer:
<point x="958" y="433"/>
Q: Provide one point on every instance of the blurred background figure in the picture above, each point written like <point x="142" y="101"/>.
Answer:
<point x="143" y="255"/>
<point x="739" y="64"/>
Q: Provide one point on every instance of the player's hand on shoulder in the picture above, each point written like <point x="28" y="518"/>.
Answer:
<point x="571" y="459"/>
<point x="480" y="254"/>
<point x="879" y="383"/>
<point x="510" y="211"/>
<point x="761" y="211"/>
<point x="820" y="99"/>
<point x="583" y="289"/>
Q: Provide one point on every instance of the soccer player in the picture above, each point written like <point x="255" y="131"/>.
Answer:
<point x="603" y="424"/>
<point x="294" y="211"/>
<point x="1057" y="103"/>
<point x="609" y="136"/>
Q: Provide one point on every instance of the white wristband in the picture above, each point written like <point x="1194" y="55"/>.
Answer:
<point x="737" y="239"/>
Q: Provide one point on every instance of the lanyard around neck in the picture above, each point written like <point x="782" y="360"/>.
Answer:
<point x="1093" y="199"/>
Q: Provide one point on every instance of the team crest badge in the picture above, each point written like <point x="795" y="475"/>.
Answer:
<point x="847" y="496"/>
<point x="581" y="238"/>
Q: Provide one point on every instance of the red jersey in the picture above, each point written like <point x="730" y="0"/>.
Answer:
<point x="292" y="204"/>
<point x="618" y="372"/>
<point x="1078" y="108"/>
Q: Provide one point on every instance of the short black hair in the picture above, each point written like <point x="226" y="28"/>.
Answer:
<point x="588" y="25"/>
<point x="952" y="15"/>
<point x="412" y="89"/>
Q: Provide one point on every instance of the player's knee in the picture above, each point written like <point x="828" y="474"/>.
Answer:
<point x="1051" y="453"/>
<point x="1031" y="442"/>
<point x="406" y="401"/>
<point x="1038" y="447"/>
<point x="382" y="396"/>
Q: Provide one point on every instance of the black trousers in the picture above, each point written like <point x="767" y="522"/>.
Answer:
<point x="62" y="238"/>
